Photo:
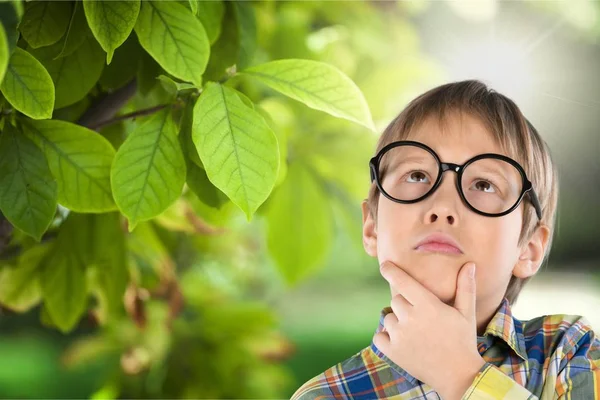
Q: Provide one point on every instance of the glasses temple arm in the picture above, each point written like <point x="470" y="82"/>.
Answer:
<point x="536" y="203"/>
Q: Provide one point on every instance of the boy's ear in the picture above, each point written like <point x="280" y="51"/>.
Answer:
<point x="532" y="253"/>
<point x="369" y="233"/>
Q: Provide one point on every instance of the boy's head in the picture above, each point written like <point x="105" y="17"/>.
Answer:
<point x="459" y="121"/>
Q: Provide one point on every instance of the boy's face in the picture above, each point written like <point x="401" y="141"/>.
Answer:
<point x="490" y="242"/>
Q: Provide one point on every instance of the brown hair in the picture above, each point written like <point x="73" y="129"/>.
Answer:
<point x="512" y="132"/>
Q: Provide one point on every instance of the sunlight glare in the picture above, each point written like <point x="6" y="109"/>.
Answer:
<point x="500" y="64"/>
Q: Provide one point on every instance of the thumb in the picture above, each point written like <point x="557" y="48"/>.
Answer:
<point x="465" y="299"/>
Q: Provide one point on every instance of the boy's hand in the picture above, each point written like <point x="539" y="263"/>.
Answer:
<point x="434" y="342"/>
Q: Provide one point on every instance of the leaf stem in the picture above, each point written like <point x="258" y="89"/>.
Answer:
<point x="146" y="111"/>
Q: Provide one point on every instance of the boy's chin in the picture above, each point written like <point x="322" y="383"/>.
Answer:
<point x="437" y="277"/>
<point x="446" y="299"/>
<point x="445" y="295"/>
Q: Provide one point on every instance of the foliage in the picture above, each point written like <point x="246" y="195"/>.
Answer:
<point x="61" y="60"/>
<point x="139" y="141"/>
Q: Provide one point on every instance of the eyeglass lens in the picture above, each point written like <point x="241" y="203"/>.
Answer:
<point x="489" y="185"/>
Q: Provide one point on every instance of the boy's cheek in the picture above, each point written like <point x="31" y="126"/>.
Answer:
<point x="392" y="245"/>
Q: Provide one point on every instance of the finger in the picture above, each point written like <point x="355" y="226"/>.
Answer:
<point x="466" y="292"/>
<point x="401" y="307"/>
<point x="381" y="340"/>
<point x="390" y="322"/>
<point x="405" y="284"/>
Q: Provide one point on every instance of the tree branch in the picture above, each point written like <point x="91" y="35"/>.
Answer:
<point x="147" y="111"/>
<point x="107" y="106"/>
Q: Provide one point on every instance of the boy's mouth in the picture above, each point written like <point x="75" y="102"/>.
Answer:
<point x="438" y="248"/>
<point x="439" y="242"/>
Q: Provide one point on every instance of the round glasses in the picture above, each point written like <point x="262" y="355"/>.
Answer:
<point x="489" y="184"/>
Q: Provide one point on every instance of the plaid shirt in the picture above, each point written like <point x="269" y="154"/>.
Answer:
<point x="548" y="357"/>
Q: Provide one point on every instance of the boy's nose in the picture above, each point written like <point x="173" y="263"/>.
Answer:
<point x="444" y="201"/>
<point x="434" y="217"/>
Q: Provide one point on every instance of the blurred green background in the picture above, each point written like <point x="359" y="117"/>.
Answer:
<point x="543" y="55"/>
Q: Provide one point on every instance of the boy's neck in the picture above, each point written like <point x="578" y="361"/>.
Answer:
<point x="484" y="314"/>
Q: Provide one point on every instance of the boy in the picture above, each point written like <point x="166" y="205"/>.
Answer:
<point x="462" y="179"/>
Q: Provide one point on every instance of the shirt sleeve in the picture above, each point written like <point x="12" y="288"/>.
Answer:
<point x="491" y="383"/>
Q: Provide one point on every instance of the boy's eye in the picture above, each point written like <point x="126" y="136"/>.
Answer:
<point x="485" y="185"/>
<point x="417" y="176"/>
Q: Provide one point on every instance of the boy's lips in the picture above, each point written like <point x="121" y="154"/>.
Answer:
<point x="439" y="248"/>
<point x="439" y="242"/>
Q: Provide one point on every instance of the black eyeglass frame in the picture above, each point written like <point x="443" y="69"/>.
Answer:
<point x="443" y="167"/>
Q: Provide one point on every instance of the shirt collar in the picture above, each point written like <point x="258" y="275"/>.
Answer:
<point x="503" y="326"/>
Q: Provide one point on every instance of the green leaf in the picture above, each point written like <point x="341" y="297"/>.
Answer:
<point x="124" y="65"/>
<point x="4" y="55"/>
<point x="27" y="86"/>
<point x="278" y="109"/>
<point x="193" y="6"/>
<point x="347" y="212"/>
<point x="111" y="22"/>
<point x="114" y="133"/>
<point x="238" y="149"/>
<point x="45" y="318"/>
<point x="198" y="182"/>
<point x="76" y="74"/>
<point x="318" y="85"/>
<point x="174" y="38"/>
<point x="10" y="17"/>
<point x="148" y="249"/>
<point x="210" y="13"/>
<point x="247" y="101"/>
<point x="63" y="274"/>
<point x="246" y="20"/>
<point x="299" y="233"/>
<point x="79" y="159"/>
<point x="185" y="134"/>
<point x="20" y="285"/>
<point x="149" y="169"/>
<point x="45" y="22"/>
<point x="27" y="188"/>
<point x="224" y="51"/>
<point x="148" y="71"/>
<point x="111" y="266"/>
<point x="18" y="4"/>
<point x="174" y="87"/>
<point x="76" y="33"/>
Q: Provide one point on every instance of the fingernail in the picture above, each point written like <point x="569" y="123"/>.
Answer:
<point x="472" y="270"/>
